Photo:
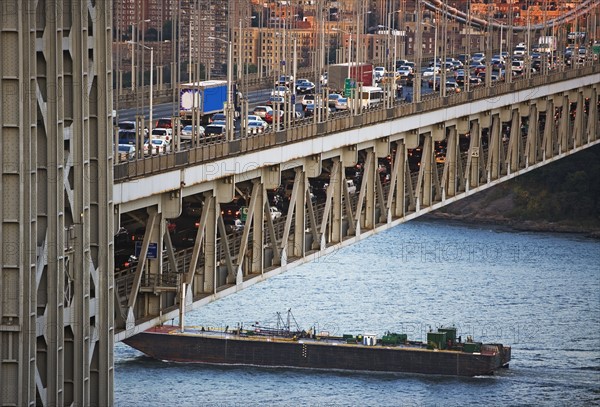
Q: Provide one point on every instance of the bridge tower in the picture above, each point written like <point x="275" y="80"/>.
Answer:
<point x="56" y="284"/>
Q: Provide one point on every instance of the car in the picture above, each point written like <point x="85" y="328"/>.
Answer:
<point x="261" y="111"/>
<point x="457" y="64"/>
<point x="184" y="239"/>
<point x="193" y="208"/>
<point x="474" y="80"/>
<point x="162" y="133"/>
<point x="284" y="80"/>
<point x="233" y="225"/>
<point x="464" y="58"/>
<point x="159" y="146"/>
<point x="323" y="79"/>
<point x="460" y="80"/>
<point x="126" y="152"/>
<point x="124" y="260"/>
<point x="254" y="117"/>
<point x="332" y="99"/>
<point x="218" y="122"/>
<point x="231" y="210"/>
<point x="214" y="131"/>
<point x="341" y="104"/>
<point x="275" y="213"/>
<point x="520" y="50"/>
<point x="280" y="91"/>
<point x="218" y="117"/>
<point x="404" y="70"/>
<point x="351" y="187"/>
<point x="378" y="73"/>
<point x="127" y="137"/>
<point x="517" y="66"/>
<point x="276" y="100"/>
<point x="164" y="123"/>
<point x="308" y="99"/>
<point x="304" y="86"/>
<point x="127" y="125"/>
<point x="430" y="71"/>
<point x="187" y="131"/>
<point x="256" y="127"/>
<point x="269" y="117"/>
<point x="311" y="108"/>
<point x="478" y="57"/>
<point x="452" y="87"/>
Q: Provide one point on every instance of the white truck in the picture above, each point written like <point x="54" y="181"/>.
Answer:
<point x="547" y="44"/>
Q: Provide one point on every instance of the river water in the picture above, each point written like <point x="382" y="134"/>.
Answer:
<point x="539" y="293"/>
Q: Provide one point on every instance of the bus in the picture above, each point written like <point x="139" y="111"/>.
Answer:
<point x="371" y="96"/>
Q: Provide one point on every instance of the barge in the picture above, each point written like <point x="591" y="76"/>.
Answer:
<point x="443" y="354"/>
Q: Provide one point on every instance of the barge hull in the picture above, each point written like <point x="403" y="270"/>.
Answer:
<point x="231" y="349"/>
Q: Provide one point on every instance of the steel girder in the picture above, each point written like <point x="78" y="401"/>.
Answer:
<point x="56" y="319"/>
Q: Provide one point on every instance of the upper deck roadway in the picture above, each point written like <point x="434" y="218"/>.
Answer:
<point x="318" y="135"/>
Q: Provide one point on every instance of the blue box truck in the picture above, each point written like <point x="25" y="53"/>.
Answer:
<point x="208" y="97"/>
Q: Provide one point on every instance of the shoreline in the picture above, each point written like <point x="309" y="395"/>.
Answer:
<point x="518" y="225"/>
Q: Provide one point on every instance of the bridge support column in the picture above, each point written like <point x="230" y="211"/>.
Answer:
<point x="449" y="176"/>
<point x="515" y="149"/>
<point x="366" y="178"/>
<point x="563" y="125"/>
<point x="245" y="262"/>
<point x="396" y="195"/>
<point x="271" y="179"/>
<point x="424" y="181"/>
<point x="152" y="298"/>
<point x="475" y="157"/>
<point x="578" y="127"/>
<point x="592" y="123"/>
<point x="258" y="223"/>
<point x="494" y="158"/>
<point x="369" y="180"/>
<point x="349" y="158"/>
<point x="338" y="180"/>
<point x="206" y="283"/>
<point x="296" y="213"/>
<point x="532" y="145"/>
<point x="549" y="142"/>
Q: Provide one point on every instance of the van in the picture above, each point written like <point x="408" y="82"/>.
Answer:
<point x="127" y="125"/>
<point x="351" y="187"/>
<point x="127" y="137"/>
<point x="164" y="123"/>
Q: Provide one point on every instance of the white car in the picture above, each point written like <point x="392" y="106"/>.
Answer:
<point x="186" y="132"/>
<point x="378" y="72"/>
<point x="256" y="126"/>
<point x="254" y="117"/>
<point x="159" y="146"/>
<point x="404" y="70"/>
<point x="163" y="134"/>
<point x="429" y="71"/>
<point x="308" y="99"/>
<point x="351" y="187"/>
<point x="341" y="104"/>
<point x="275" y="213"/>
<point x="323" y="79"/>
<point x="261" y="111"/>
<point x="280" y="91"/>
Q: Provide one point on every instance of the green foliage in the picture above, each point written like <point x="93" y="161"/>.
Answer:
<point x="567" y="190"/>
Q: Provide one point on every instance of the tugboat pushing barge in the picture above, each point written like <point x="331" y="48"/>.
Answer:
<point x="443" y="354"/>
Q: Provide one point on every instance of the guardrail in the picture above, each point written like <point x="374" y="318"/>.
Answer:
<point x="309" y="128"/>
